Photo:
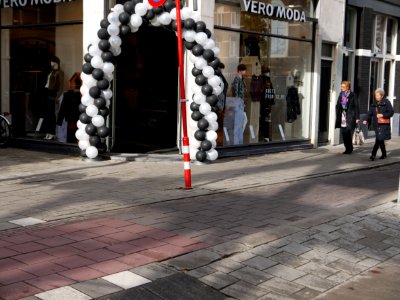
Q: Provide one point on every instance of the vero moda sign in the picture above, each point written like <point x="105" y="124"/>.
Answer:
<point x="273" y="11"/>
<point x="23" y="3"/>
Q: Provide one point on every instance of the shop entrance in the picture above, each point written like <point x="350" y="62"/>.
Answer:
<point x="324" y="100"/>
<point x="146" y="107"/>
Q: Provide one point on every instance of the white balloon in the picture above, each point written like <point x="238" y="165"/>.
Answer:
<point x="92" y="152"/>
<point x="201" y="38"/>
<point x="212" y="154"/>
<point x="119" y="8"/>
<point x="113" y="18"/>
<point x="148" y="5"/>
<point x="199" y="98"/>
<point x="87" y="100"/>
<point x="208" y="71"/>
<point x="210" y="44"/>
<point x="107" y="94"/>
<point x="113" y="29"/>
<point x="116" y="51"/>
<point x="214" y="81"/>
<point x="136" y="20"/>
<point x="94" y="50"/>
<point x="80" y="125"/>
<point x="109" y="76"/>
<point x="155" y="22"/>
<point x="186" y="13"/>
<point x="193" y="124"/>
<point x="195" y="143"/>
<point x="193" y="152"/>
<point x="108" y="68"/>
<point x="141" y="9"/>
<point x="81" y="135"/>
<point x="97" y="62"/>
<point x="92" y="110"/>
<point x="205" y="108"/>
<point x="165" y="18"/>
<point x="196" y="89"/>
<point x="200" y="63"/>
<point x="211" y="117"/>
<point x="192" y="57"/>
<point x="84" y="89"/>
<point x="115" y="41"/>
<point x="216" y="51"/>
<point x="189" y="35"/>
<point x="90" y="81"/>
<point x="108" y="102"/>
<point x="211" y="135"/>
<point x="98" y="121"/>
<point x="213" y="144"/>
<point x="83" y="145"/>
<point x="217" y="90"/>
<point x="172" y="13"/>
<point x="133" y="28"/>
<point x="196" y="16"/>
<point x="213" y="126"/>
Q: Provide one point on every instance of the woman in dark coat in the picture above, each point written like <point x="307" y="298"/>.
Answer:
<point x="347" y="115"/>
<point x="380" y="112"/>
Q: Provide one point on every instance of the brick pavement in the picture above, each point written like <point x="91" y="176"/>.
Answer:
<point x="249" y="235"/>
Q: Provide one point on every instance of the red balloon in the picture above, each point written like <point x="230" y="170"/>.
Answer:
<point x="157" y="3"/>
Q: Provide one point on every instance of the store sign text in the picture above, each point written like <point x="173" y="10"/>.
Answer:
<point x="22" y="3"/>
<point x="273" y="11"/>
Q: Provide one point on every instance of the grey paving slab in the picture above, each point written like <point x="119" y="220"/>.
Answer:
<point x="244" y="291"/>
<point x="226" y="265"/>
<point x="290" y="260"/>
<point x="285" y="272"/>
<point x="281" y="286"/>
<point x="153" y="271"/>
<point x="193" y="260"/>
<point x="259" y="262"/>
<point x="251" y="275"/>
<point x="218" y="280"/>
<point x="316" y="283"/>
<point x="229" y="248"/>
<point x="96" y="287"/>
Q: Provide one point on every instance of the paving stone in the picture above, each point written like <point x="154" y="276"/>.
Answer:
<point x="369" y="262"/>
<point x="285" y="272"/>
<point x="251" y="275"/>
<point x="306" y="294"/>
<point x="226" y="265"/>
<point x="193" y="260"/>
<point x="66" y="292"/>
<point x="229" y="248"/>
<point x="375" y="254"/>
<point x="316" y="283"/>
<point x="96" y="287"/>
<point x="259" y="238"/>
<point x="325" y="228"/>
<point x="320" y="246"/>
<point x="259" y="262"/>
<point x="27" y="221"/>
<point x="394" y="241"/>
<point x="348" y="245"/>
<point x="348" y="255"/>
<point x="295" y="249"/>
<point x="126" y="279"/>
<point x="153" y="271"/>
<point x="289" y="260"/>
<point x="18" y="290"/>
<point x="201" y="272"/>
<point x="218" y="280"/>
<point x="340" y="277"/>
<point x="265" y="250"/>
<point x="392" y="251"/>
<point x="317" y="269"/>
<point x="347" y="266"/>
<point x="371" y="225"/>
<point x="327" y="237"/>
<point x="275" y="296"/>
<point x="302" y="236"/>
<point x="243" y="290"/>
<point x="281" y="286"/>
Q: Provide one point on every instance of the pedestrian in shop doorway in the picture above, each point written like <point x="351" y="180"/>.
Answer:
<point x="347" y="115"/>
<point x="379" y="114"/>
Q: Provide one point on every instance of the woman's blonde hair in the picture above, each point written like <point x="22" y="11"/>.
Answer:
<point x="347" y="83"/>
<point x="380" y="91"/>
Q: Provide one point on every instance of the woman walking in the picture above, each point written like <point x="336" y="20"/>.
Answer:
<point x="380" y="112"/>
<point x="347" y="115"/>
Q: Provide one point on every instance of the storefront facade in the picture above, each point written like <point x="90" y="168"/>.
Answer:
<point x="43" y="43"/>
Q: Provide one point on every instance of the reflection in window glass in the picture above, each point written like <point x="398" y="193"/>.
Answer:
<point x="389" y="34"/>
<point x="379" y="27"/>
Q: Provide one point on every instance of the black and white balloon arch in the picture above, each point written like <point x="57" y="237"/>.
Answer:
<point x="98" y="69"/>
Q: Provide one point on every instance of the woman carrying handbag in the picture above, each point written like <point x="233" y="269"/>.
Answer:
<point x="380" y="113"/>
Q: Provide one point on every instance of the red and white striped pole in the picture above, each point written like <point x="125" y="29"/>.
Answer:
<point x="185" y="139"/>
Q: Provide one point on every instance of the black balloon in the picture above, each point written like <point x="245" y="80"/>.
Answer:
<point x="212" y="100"/>
<point x="104" y="23"/>
<point x="214" y="109"/>
<point x="104" y="112"/>
<point x="208" y="32"/>
<point x="88" y="58"/>
<point x="103" y="84"/>
<point x="189" y="24"/>
<point x="173" y="24"/>
<point x="102" y="131"/>
<point x="150" y="14"/>
<point x="104" y="45"/>
<point x="202" y="124"/>
<point x="207" y="90"/>
<point x="215" y="63"/>
<point x="196" y="72"/>
<point x="200" y="135"/>
<point x="194" y="106"/>
<point x="200" y="79"/>
<point x="107" y="57"/>
<point x="124" y="30"/>
<point x="94" y="92"/>
<point x="205" y="145"/>
<point x="169" y="5"/>
<point x="201" y="155"/>
<point x="208" y="55"/>
<point x="100" y="102"/>
<point x="158" y="10"/>
<point x="124" y="18"/>
<point x="87" y="68"/>
<point x="90" y="129"/>
<point x="102" y="147"/>
<point x="218" y="72"/>
<point x="196" y="115"/>
<point x="103" y="34"/>
<point x="200" y="26"/>
<point x="85" y="119"/>
<point x="197" y="50"/>
<point x="94" y="140"/>
<point x="82" y="108"/>
<point x="190" y="45"/>
<point x="98" y="74"/>
<point x="129" y="7"/>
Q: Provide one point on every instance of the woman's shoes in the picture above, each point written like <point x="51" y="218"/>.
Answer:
<point x="382" y="157"/>
<point x="372" y="157"/>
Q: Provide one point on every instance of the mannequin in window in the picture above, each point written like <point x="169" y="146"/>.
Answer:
<point x="69" y="108"/>
<point x="53" y="90"/>
<point x="238" y="91"/>
<point x="268" y="100"/>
